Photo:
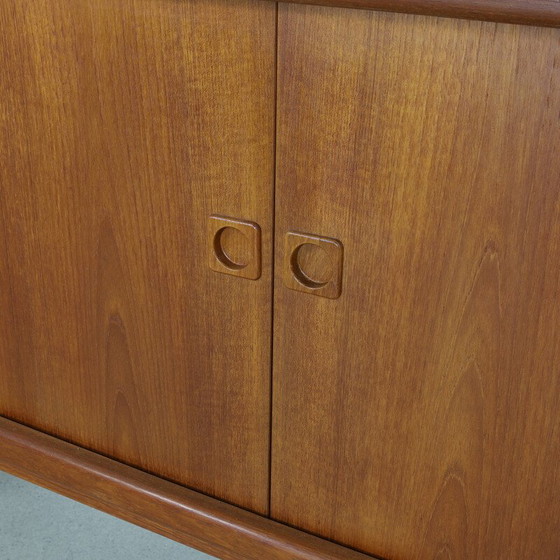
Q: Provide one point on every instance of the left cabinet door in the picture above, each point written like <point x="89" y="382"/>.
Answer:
<point x="124" y="125"/>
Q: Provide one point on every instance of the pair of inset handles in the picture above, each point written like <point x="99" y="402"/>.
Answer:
<point x="312" y="264"/>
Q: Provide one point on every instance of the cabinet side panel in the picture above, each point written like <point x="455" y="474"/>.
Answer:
<point x="416" y="417"/>
<point x="123" y="126"/>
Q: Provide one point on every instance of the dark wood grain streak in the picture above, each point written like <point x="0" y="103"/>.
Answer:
<point x="417" y="416"/>
<point x="191" y="518"/>
<point x="123" y="126"/>
<point x="525" y="12"/>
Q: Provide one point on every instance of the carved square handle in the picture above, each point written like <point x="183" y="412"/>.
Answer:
<point x="234" y="247"/>
<point x="313" y="264"/>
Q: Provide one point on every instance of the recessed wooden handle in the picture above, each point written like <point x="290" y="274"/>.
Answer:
<point x="234" y="247"/>
<point x="313" y="264"/>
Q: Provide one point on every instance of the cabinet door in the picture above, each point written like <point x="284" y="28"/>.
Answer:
<point x="123" y="126"/>
<point x="416" y="416"/>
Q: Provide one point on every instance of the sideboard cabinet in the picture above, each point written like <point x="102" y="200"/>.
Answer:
<point x="281" y="280"/>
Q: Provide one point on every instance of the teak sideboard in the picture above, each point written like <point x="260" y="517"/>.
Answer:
<point x="282" y="281"/>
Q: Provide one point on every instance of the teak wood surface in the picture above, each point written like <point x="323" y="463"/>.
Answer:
<point x="123" y="126"/>
<point x="417" y="416"/>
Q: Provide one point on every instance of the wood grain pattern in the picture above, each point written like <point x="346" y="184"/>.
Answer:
<point x="544" y="13"/>
<point x="416" y="417"/>
<point x="123" y="126"/>
<point x="188" y="517"/>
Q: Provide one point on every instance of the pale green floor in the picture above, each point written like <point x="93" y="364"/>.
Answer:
<point x="36" y="524"/>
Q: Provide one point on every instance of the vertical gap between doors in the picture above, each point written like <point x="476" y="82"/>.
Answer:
<point x="273" y="233"/>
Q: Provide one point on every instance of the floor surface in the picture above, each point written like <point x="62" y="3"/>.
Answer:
<point x="36" y="524"/>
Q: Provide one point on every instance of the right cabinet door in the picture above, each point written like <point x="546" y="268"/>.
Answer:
<point x="417" y="415"/>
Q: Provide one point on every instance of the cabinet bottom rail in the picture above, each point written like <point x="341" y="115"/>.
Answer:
<point x="186" y="516"/>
